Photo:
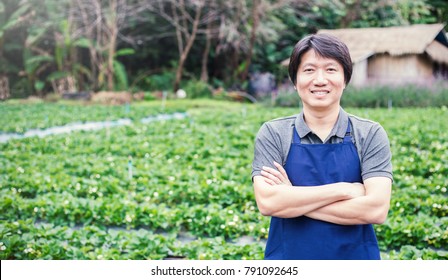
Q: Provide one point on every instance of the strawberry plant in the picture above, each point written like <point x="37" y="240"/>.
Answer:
<point x="136" y="191"/>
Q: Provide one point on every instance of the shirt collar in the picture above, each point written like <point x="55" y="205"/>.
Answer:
<point x="339" y="129"/>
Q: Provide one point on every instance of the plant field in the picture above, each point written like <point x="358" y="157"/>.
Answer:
<point x="182" y="188"/>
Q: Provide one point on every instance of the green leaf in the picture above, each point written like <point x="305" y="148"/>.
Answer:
<point x="14" y="19"/>
<point x="10" y="24"/>
<point x="120" y="75"/>
<point x="39" y="85"/>
<point x="241" y="67"/>
<point x="32" y="63"/>
<point x="124" y="52"/>
<point x="57" y="75"/>
<point x="83" y="43"/>
<point x="77" y="67"/>
<point x="36" y="34"/>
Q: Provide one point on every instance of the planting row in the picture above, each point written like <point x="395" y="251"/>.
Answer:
<point x="192" y="176"/>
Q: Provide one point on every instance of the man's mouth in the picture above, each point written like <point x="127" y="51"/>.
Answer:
<point x="320" y="92"/>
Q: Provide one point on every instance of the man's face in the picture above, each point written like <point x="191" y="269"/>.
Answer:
<point x="320" y="81"/>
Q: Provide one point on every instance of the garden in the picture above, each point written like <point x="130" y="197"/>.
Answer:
<point x="100" y="158"/>
<point x="180" y="188"/>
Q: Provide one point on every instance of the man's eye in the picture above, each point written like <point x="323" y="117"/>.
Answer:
<point x="331" y="69"/>
<point x="308" y="70"/>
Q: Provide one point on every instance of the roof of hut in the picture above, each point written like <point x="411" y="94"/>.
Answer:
<point x="399" y="40"/>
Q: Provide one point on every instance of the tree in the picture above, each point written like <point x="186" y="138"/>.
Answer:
<point x="422" y="11"/>
<point x="101" y="23"/>
<point x="8" y="22"/>
<point x="39" y="21"/>
<point x="188" y="18"/>
<point x="206" y="53"/>
<point x="253" y="36"/>
<point x="49" y="52"/>
<point x="260" y="10"/>
<point x="243" y="26"/>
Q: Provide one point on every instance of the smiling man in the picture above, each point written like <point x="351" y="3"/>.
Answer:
<point x="324" y="176"/>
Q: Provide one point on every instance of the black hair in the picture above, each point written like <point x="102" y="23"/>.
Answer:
<point x="324" y="45"/>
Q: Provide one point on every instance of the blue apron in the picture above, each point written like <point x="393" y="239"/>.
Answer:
<point x="303" y="238"/>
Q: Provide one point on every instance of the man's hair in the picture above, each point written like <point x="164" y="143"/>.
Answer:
<point x="324" y="45"/>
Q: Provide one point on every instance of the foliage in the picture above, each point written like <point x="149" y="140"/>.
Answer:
<point x="198" y="89"/>
<point x="121" y="76"/>
<point x="15" y="115"/>
<point x="40" y="64"/>
<point x="70" y="196"/>
<point x="417" y="12"/>
<point x="409" y="95"/>
<point x="44" y="42"/>
<point x="162" y="81"/>
<point x="287" y="98"/>
<point x="7" y="23"/>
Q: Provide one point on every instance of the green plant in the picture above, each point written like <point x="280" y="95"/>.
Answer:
<point x="69" y="196"/>
<point x="286" y="98"/>
<point x="159" y="82"/>
<point x="198" y="89"/>
<point x="121" y="77"/>
<point x="396" y="96"/>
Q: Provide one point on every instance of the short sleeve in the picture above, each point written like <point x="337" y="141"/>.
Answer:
<point x="376" y="161"/>
<point x="267" y="150"/>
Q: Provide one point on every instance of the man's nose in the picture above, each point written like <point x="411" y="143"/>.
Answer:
<point x="320" y="78"/>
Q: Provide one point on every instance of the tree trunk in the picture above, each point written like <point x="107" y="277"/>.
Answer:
<point x="95" y="65"/>
<point x="4" y="87"/>
<point x="111" y="55"/>
<point x="186" y="51"/>
<point x="204" y="70"/>
<point x="253" y="36"/>
<point x="112" y="41"/>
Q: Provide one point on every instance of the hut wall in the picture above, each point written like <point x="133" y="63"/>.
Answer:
<point x="385" y="68"/>
<point x="441" y="71"/>
<point x="359" y="76"/>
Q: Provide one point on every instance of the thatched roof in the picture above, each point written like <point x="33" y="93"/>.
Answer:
<point x="438" y="52"/>
<point x="399" y="40"/>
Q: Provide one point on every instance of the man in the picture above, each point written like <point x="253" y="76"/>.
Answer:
<point x="323" y="176"/>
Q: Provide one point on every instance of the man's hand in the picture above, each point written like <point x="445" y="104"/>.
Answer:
<point x="275" y="177"/>
<point x="280" y="177"/>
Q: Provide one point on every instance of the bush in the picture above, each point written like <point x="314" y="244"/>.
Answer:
<point x="397" y="96"/>
<point x="20" y="89"/>
<point x="198" y="89"/>
<point x="383" y="96"/>
<point x="148" y="96"/>
<point x="156" y="82"/>
<point x="287" y="99"/>
<point x="52" y="97"/>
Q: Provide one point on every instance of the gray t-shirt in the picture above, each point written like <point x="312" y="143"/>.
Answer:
<point x="274" y="140"/>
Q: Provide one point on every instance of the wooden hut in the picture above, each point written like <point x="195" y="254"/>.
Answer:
<point x="394" y="55"/>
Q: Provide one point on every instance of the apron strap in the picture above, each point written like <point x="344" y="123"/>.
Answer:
<point x="347" y="137"/>
<point x="348" y="134"/>
<point x="296" y="137"/>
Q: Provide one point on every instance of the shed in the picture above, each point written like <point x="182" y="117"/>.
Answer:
<point x="394" y="55"/>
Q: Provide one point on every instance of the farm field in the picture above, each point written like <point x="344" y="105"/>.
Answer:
<point x="181" y="188"/>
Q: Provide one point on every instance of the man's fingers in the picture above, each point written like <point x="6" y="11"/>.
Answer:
<point x="269" y="181"/>
<point x="285" y="178"/>
<point x="274" y="172"/>
<point x="281" y="169"/>
<point x="271" y="176"/>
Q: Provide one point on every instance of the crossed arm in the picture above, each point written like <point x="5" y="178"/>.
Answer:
<point x="341" y="203"/>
